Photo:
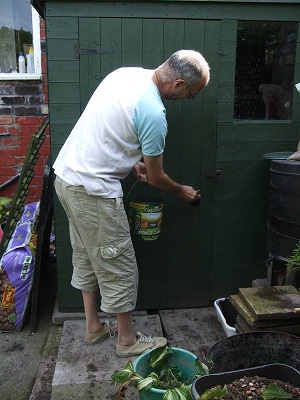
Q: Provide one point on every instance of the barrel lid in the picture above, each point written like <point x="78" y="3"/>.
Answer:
<point x="280" y="155"/>
<point x="286" y="167"/>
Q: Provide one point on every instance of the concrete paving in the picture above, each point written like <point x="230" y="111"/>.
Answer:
<point x="85" y="371"/>
<point x="56" y="364"/>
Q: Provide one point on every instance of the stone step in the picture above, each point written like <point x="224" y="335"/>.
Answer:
<point x="82" y="371"/>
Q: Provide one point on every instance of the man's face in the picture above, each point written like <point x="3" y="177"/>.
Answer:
<point x="179" y="89"/>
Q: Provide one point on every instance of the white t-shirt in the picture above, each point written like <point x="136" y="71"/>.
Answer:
<point x="124" y="119"/>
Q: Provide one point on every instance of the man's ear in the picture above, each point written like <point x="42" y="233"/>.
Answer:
<point x="179" y="82"/>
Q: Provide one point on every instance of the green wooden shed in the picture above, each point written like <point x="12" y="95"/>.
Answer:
<point x="215" y="143"/>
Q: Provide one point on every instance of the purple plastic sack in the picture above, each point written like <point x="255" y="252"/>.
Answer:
<point x="16" y="271"/>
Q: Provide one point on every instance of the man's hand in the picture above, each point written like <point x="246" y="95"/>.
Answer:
<point x="139" y="171"/>
<point x="188" y="193"/>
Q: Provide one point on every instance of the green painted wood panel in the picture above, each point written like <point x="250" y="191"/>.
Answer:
<point x="66" y="28"/>
<point x="64" y="93"/>
<point x="179" y="10"/>
<point x="258" y="131"/>
<point x="64" y="113"/>
<point x="58" y="52"/>
<point x="173" y="257"/>
<point x="63" y="71"/>
<point x="221" y="245"/>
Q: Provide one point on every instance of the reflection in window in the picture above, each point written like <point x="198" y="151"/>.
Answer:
<point x="265" y="60"/>
<point x="15" y="32"/>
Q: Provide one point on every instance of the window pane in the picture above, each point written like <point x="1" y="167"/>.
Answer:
<point x="264" y="74"/>
<point x="15" y="32"/>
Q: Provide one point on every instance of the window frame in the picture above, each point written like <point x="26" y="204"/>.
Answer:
<point x="36" y="38"/>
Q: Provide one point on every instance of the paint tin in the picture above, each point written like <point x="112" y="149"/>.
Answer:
<point x="145" y="216"/>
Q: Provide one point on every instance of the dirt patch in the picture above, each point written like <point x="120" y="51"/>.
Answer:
<point x="251" y="388"/>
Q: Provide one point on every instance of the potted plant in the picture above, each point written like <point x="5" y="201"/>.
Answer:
<point x="165" y="373"/>
<point x="5" y="203"/>
<point x="266" y="382"/>
<point x="293" y="265"/>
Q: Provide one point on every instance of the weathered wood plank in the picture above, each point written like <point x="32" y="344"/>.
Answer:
<point x="63" y="71"/>
<point x="62" y="28"/>
<point x="179" y="10"/>
<point x="64" y="93"/>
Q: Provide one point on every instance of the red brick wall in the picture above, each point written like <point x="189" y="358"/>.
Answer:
<point x="23" y="107"/>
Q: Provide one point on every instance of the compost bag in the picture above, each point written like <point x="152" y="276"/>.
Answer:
<point x="16" y="271"/>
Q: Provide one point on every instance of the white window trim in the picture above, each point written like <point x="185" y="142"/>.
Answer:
<point x="37" y="53"/>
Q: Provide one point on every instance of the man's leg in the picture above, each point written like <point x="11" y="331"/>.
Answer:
<point x="126" y="337"/>
<point x="93" y="325"/>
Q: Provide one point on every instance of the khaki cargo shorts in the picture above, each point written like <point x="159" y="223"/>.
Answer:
<point x="103" y="254"/>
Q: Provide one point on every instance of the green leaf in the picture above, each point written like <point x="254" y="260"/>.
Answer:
<point x="124" y="375"/>
<point x="147" y="383"/>
<point x="159" y="357"/>
<point x="183" y="392"/>
<point x="170" y="395"/>
<point x="202" y="369"/>
<point x="5" y="201"/>
<point x="214" y="392"/>
<point x="273" y="392"/>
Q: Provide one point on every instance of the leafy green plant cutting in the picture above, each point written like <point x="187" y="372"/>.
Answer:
<point x="216" y="392"/>
<point x="5" y="203"/>
<point x="273" y="392"/>
<point x="162" y="375"/>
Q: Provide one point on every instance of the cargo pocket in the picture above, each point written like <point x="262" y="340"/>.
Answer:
<point x="116" y="249"/>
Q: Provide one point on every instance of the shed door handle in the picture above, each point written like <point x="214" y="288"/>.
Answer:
<point x="214" y="174"/>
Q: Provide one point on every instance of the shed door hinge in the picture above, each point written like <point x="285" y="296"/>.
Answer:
<point x="81" y="50"/>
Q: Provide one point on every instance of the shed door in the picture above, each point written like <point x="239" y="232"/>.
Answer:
<point x="174" y="269"/>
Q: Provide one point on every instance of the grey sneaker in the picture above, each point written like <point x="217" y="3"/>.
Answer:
<point x="143" y="343"/>
<point x="110" y="329"/>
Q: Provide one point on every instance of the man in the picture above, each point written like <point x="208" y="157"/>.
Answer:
<point x="123" y="123"/>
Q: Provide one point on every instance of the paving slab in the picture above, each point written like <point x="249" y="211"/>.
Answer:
<point x="87" y="370"/>
<point x="84" y="372"/>
<point x="193" y="329"/>
<point x="273" y="302"/>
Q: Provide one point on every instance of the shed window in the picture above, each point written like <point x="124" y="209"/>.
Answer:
<point x="19" y="31"/>
<point x="264" y="74"/>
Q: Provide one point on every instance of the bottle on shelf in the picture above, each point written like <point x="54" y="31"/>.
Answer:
<point x="30" y="61"/>
<point x="21" y="63"/>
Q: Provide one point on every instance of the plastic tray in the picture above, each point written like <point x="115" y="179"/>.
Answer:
<point x="282" y="372"/>
<point x="225" y="313"/>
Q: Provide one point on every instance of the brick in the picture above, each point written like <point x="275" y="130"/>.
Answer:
<point x="3" y="130"/>
<point x="19" y="152"/>
<point x="8" y="142"/>
<point x="43" y="46"/>
<point x="8" y="172"/>
<point x="6" y="90"/>
<point x="13" y="100"/>
<point x="6" y="119"/>
<point x="27" y="111"/>
<point x="34" y="100"/>
<point x="28" y="130"/>
<point x="8" y="160"/>
<point x="5" y="110"/>
<point x="9" y="191"/>
<point x="14" y="130"/>
<point x="27" y="90"/>
<point x="24" y="140"/>
<point x="29" y="120"/>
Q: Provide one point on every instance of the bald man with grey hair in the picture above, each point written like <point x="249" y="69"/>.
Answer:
<point x="187" y="64"/>
<point x="122" y="129"/>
